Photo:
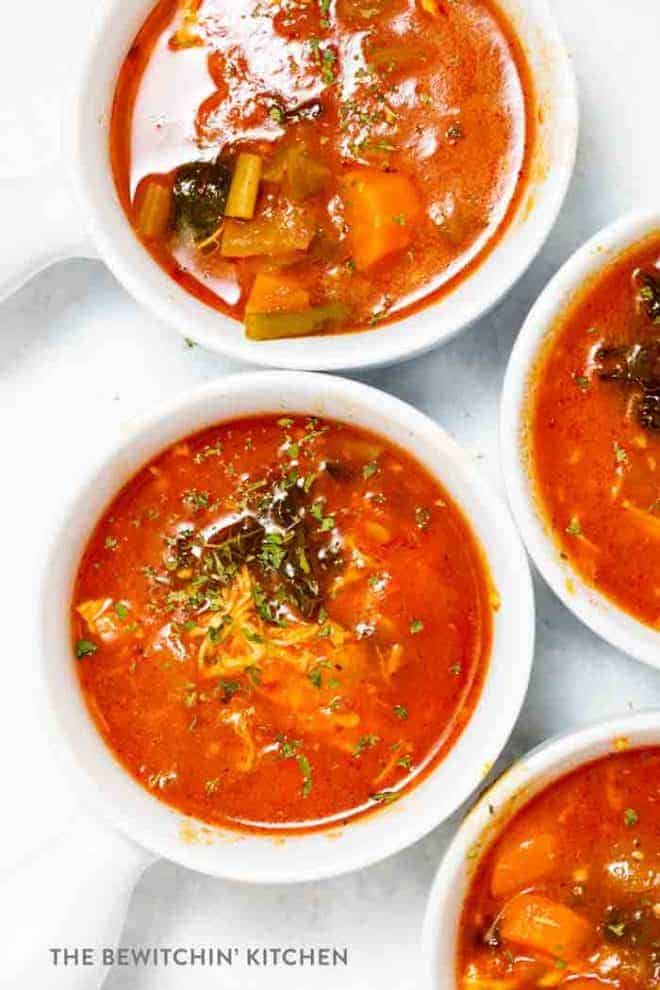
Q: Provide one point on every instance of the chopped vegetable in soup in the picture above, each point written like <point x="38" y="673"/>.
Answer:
<point x="281" y="621"/>
<point x="595" y="441"/>
<point x="569" y="895"/>
<point x="317" y="165"/>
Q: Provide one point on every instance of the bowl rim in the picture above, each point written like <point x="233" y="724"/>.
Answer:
<point x="116" y="797"/>
<point x="85" y="136"/>
<point x="489" y="816"/>
<point x="603" y="616"/>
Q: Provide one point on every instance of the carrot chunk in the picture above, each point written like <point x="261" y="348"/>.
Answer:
<point x="276" y="294"/>
<point x="541" y="924"/>
<point x="520" y="864"/>
<point x="380" y="209"/>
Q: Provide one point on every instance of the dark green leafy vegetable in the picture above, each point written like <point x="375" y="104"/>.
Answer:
<point x="273" y="540"/>
<point x="200" y="195"/>
<point x="636" y="366"/>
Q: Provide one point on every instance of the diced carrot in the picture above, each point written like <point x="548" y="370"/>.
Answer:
<point x="541" y="924"/>
<point x="276" y="294"/>
<point x="520" y="864"/>
<point x="380" y="209"/>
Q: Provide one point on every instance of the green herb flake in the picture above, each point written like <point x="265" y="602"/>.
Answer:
<point x="620" y="454"/>
<point x="582" y="382"/>
<point x="306" y="770"/>
<point x="416" y="626"/>
<point x="121" y="610"/>
<point x="574" y="528"/>
<point x="85" y="648"/>
<point x="365" y="742"/>
<point x="110" y="543"/>
<point x="289" y="748"/>
<point x="630" y="818"/>
<point x="369" y="469"/>
<point x="385" y="797"/>
<point x="401" y="712"/>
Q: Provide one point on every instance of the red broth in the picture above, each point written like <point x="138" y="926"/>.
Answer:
<point x="375" y="152"/>
<point x="281" y="622"/>
<point x="595" y="432"/>
<point x="569" y="895"/>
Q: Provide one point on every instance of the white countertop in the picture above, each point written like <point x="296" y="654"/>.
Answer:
<point x="78" y="359"/>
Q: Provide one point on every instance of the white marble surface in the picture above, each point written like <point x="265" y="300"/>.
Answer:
<point x="78" y="359"/>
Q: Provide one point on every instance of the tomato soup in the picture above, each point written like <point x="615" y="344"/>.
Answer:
<point x="281" y="622"/>
<point x="569" y="895"/>
<point x="309" y="166"/>
<point x="595" y="437"/>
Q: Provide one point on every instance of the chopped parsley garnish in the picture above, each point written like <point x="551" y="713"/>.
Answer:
<point x="85" y="648"/>
<point x="416" y="626"/>
<point x="574" y="528"/>
<point x="385" y="797"/>
<point x="254" y="673"/>
<point x="196" y="500"/>
<point x="620" y="454"/>
<point x="315" y="673"/>
<point x="110" y="543"/>
<point x="227" y="689"/>
<point x="121" y="610"/>
<point x="401" y="712"/>
<point x="369" y="469"/>
<point x="365" y="742"/>
<point x="630" y="818"/>
<point x="289" y="748"/>
<point x="306" y="770"/>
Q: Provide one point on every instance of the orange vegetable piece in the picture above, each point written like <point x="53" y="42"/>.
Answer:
<point x="520" y="864"/>
<point x="545" y="926"/>
<point x="276" y="294"/>
<point x="380" y="209"/>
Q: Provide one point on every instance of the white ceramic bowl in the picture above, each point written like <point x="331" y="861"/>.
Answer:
<point x="57" y="231"/>
<point x="306" y="856"/>
<point x="534" y="772"/>
<point x="597" y="611"/>
<point x="115" y="798"/>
